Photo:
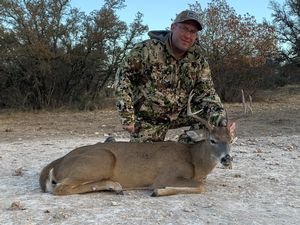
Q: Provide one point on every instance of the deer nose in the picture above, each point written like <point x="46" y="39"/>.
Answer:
<point x="227" y="161"/>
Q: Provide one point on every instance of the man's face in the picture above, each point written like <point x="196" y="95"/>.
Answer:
<point x="184" y="35"/>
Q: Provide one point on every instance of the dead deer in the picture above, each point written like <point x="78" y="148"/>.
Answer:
<point x="167" y="168"/>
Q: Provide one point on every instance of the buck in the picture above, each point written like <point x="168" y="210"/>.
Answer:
<point x="167" y="168"/>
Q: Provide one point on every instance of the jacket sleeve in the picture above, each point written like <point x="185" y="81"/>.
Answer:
<point x="125" y="84"/>
<point x="207" y="98"/>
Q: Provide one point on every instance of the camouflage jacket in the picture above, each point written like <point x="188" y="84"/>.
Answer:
<point x="152" y="84"/>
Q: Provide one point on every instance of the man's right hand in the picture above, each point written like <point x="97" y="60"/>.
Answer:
<point x="129" y="128"/>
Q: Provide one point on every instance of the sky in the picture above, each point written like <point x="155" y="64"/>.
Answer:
<point x="158" y="13"/>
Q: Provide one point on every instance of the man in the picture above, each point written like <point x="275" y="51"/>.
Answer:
<point x="154" y="82"/>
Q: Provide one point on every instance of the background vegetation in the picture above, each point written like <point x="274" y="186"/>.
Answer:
<point x="53" y="55"/>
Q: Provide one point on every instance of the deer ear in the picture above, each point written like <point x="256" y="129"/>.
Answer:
<point x="231" y="126"/>
<point x="195" y="136"/>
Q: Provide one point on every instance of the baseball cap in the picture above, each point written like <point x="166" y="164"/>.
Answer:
<point x="188" y="15"/>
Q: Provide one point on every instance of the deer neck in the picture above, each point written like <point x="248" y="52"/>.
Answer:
<point x="204" y="159"/>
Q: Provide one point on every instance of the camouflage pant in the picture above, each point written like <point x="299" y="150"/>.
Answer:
<point x="153" y="132"/>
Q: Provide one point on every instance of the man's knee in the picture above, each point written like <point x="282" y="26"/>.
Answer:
<point x="149" y="133"/>
<point x="187" y="138"/>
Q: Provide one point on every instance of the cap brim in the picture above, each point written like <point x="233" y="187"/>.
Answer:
<point x="199" y="24"/>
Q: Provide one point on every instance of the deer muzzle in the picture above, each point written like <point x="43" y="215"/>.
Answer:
<point x="227" y="161"/>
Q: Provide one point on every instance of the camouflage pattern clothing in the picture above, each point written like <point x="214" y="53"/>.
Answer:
<point x="152" y="88"/>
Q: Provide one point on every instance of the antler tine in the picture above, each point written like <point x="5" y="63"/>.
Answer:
<point x="193" y="114"/>
<point x="226" y="115"/>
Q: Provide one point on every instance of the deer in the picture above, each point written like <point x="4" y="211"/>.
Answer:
<point x="165" y="168"/>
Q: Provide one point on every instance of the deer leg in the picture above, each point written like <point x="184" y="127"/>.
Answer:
<point x="179" y="186"/>
<point x="70" y="186"/>
<point x="177" y="190"/>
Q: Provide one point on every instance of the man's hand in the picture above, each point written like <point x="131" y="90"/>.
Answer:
<point x="129" y="128"/>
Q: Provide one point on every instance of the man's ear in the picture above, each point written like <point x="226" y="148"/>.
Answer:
<point x="173" y="26"/>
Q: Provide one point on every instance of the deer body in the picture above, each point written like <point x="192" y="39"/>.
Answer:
<point x="166" y="167"/>
<point x="123" y="165"/>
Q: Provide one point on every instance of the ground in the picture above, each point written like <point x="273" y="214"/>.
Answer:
<point x="261" y="188"/>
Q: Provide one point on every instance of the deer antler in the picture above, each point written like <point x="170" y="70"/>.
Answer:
<point x="193" y="114"/>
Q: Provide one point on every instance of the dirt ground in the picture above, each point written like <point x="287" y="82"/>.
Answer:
<point x="262" y="187"/>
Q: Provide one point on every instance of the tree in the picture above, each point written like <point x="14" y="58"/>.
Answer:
<point x="53" y="54"/>
<point x="238" y="48"/>
<point x="286" y="18"/>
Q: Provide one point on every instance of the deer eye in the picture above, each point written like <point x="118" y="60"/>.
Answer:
<point x="212" y="141"/>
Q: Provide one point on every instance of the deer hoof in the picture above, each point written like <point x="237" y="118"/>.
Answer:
<point x="155" y="193"/>
<point x="120" y="192"/>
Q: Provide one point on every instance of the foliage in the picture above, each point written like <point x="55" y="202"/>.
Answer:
<point x="53" y="54"/>
<point x="286" y="18"/>
<point x="241" y="51"/>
